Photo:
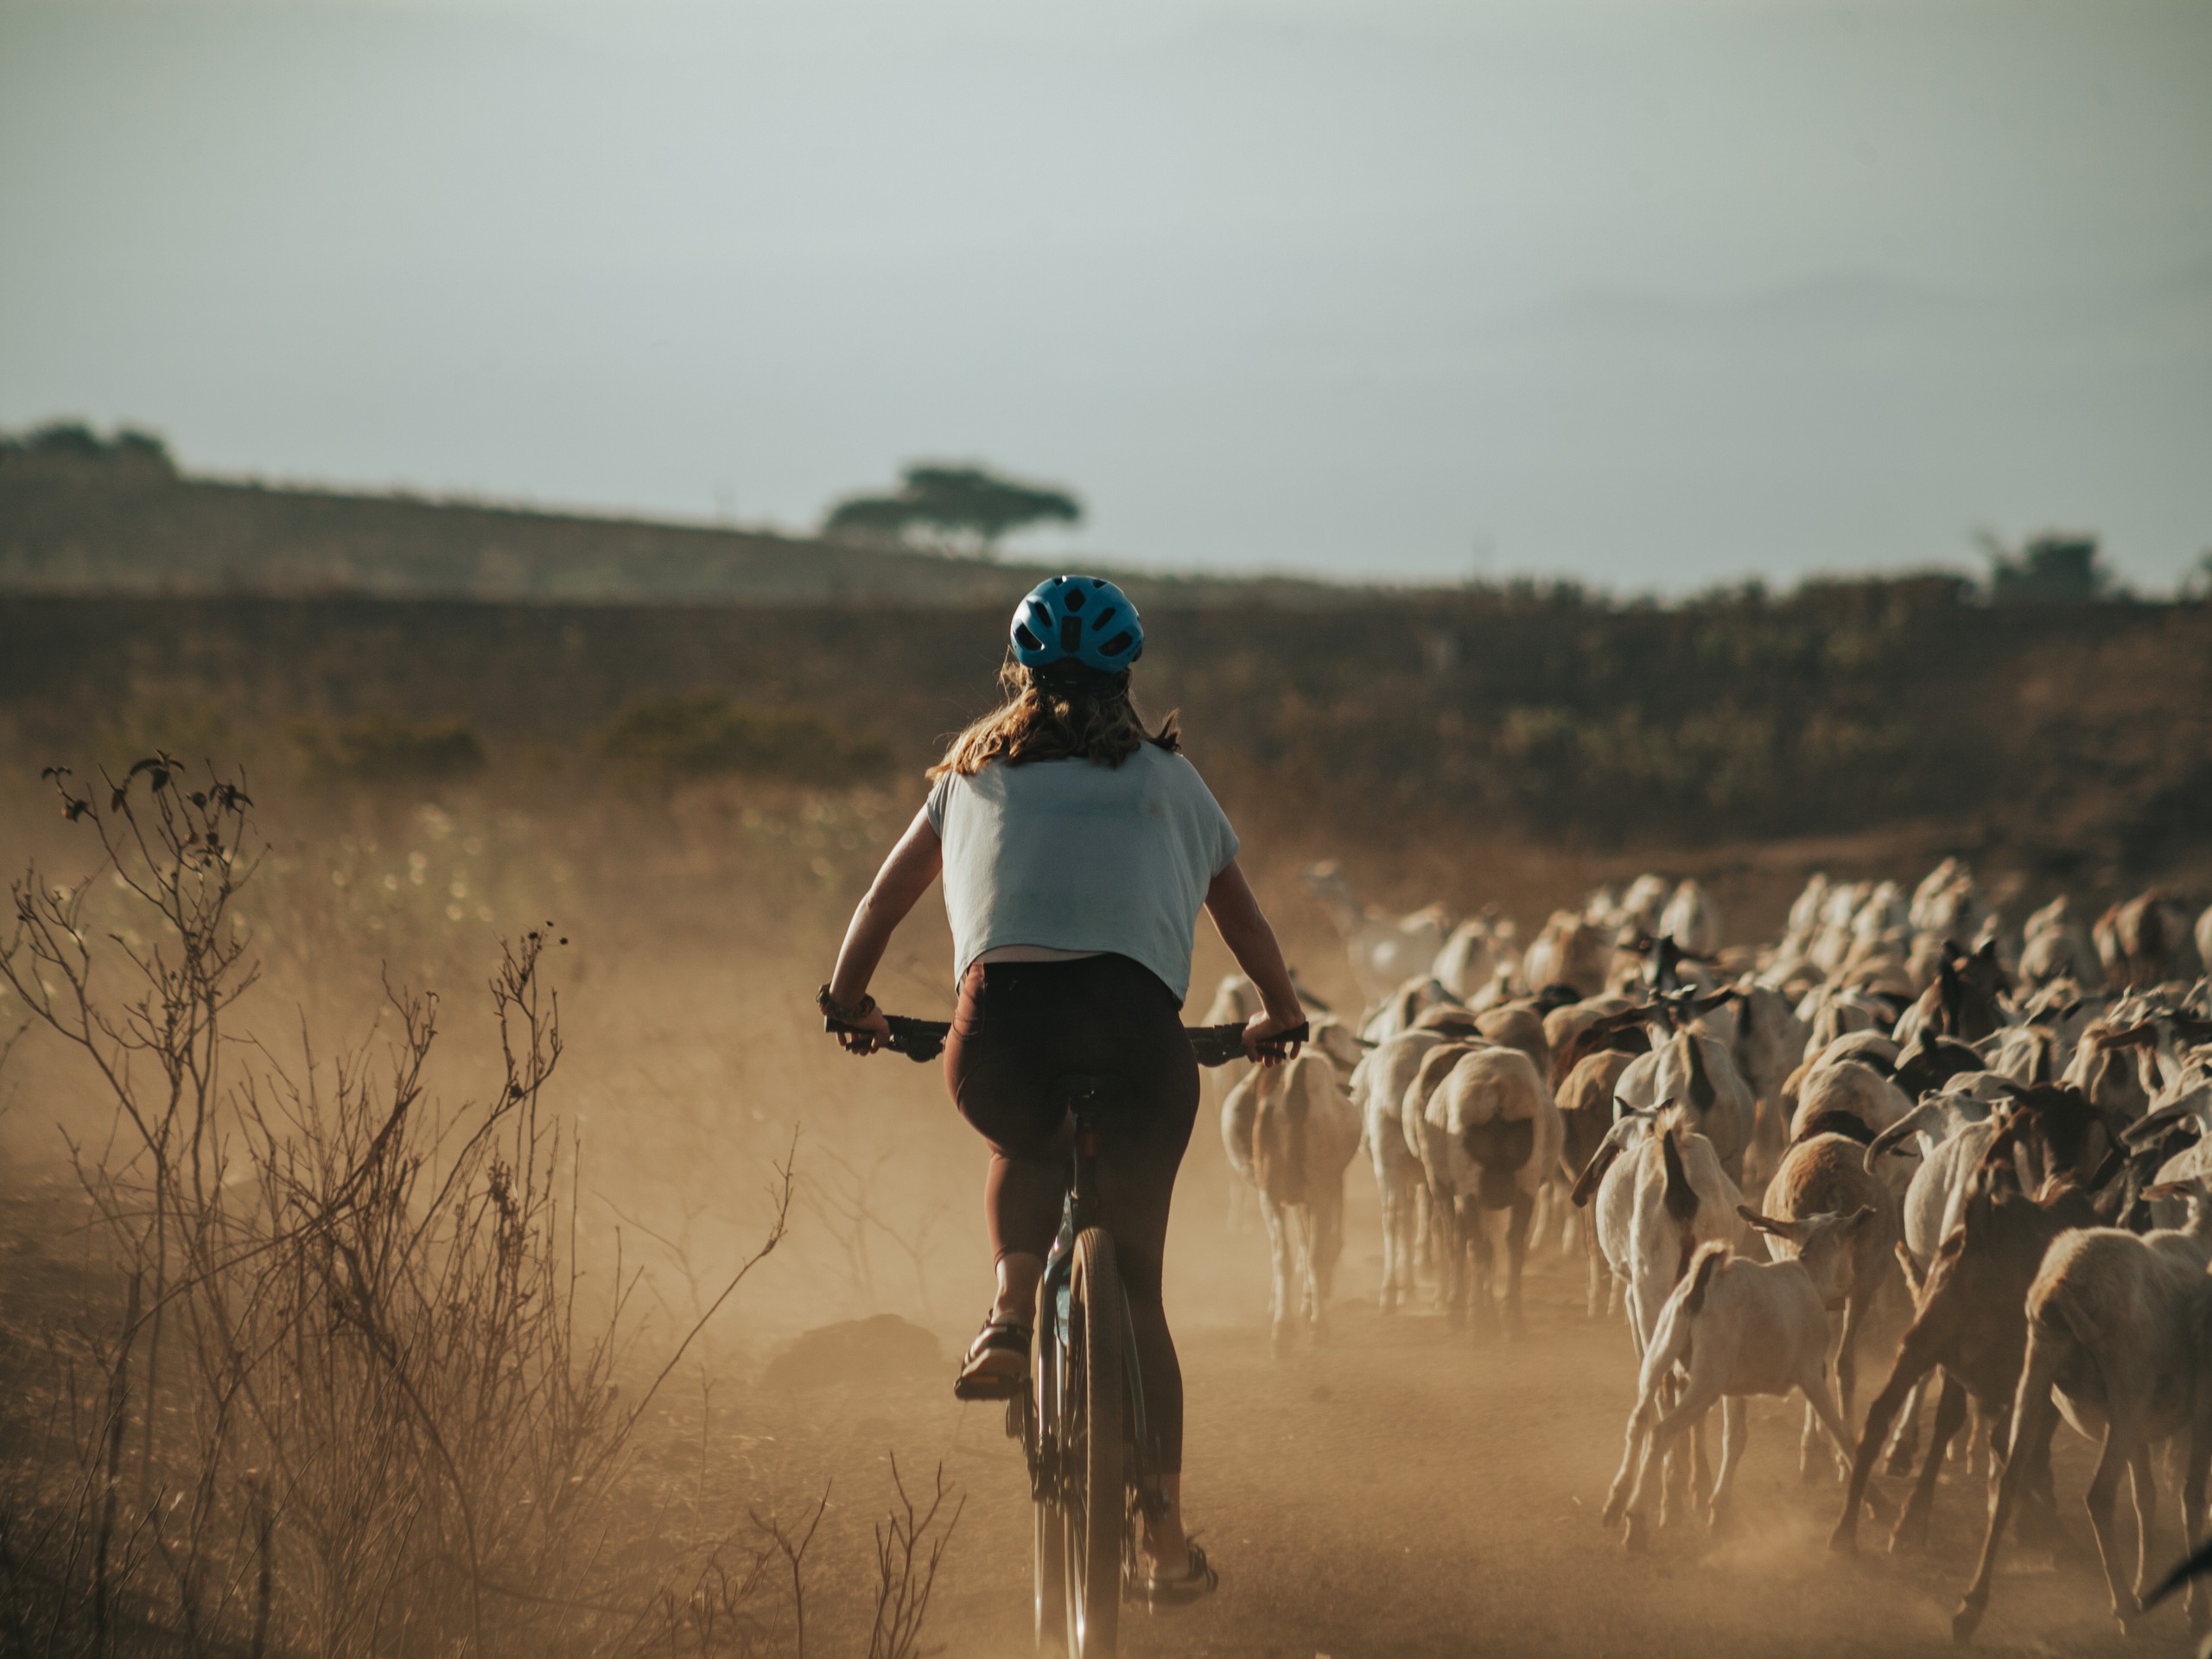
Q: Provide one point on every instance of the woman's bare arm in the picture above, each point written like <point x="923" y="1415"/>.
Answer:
<point x="905" y="877"/>
<point x="1243" y="928"/>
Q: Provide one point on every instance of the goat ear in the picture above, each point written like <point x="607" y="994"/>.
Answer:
<point x="1752" y="1218"/>
<point x="1859" y="1217"/>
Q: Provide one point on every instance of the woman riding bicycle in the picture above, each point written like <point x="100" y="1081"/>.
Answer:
<point x="1076" y="849"/>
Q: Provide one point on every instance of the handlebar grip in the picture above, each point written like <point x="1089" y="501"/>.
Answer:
<point x="1223" y="1045"/>
<point x="920" y="1040"/>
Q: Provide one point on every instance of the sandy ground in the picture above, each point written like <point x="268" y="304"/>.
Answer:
<point x="1399" y="1489"/>
<point x="1404" y="1490"/>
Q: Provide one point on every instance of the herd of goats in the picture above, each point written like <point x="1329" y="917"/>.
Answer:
<point x="1987" y="1153"/>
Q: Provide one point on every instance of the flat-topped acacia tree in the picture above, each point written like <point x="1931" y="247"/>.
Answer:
<point x="957" y="509"/>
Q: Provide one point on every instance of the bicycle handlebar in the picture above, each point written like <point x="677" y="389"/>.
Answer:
<point x="924" y="1039"/>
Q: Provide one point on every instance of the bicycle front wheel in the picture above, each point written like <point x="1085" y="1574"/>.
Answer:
<point x="1096" y="1508"/>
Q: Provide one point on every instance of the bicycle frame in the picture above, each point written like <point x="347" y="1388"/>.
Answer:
<point x="1084" y="1096"/>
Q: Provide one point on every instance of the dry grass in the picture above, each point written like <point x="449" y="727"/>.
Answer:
<point x="336" y="1378"/>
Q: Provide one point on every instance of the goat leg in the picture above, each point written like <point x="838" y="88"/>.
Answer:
<point x="1735" y="1429"/>
<point x="2033" y="1421"/>
<point x="2143" y="1487"/>
<point x="2122" y="1450"/>
<point x="2195" y="1453"/>
<point x="1519" y="1222"/>
<point x="1911" y="1530"/>
<point x="1912" y="1366"/>
<point x="1904" y="1445"/>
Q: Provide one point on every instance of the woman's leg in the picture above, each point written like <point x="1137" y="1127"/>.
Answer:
<point x="1000" y="1082"/>
<point x="1021" y="1205"/>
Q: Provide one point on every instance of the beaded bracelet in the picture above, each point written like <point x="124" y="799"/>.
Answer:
<point x="828" y="1005"/>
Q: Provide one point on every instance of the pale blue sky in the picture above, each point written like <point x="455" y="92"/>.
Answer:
<point x="1652" y="294"/>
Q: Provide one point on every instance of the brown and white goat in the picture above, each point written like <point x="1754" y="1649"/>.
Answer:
<point x="1826" y="1174"/>
<point x="1290" y="1130"/>
<point x="1490" y="1137"/>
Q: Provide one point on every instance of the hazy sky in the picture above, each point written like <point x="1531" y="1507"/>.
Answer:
<point x="1653" y="294"/>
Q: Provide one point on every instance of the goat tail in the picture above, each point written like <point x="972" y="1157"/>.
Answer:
<point x="1710" y="1258"/>
<point x="1670" y="1346"/>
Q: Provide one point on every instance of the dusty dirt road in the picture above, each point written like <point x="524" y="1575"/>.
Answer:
<point x="1401" y="1490"/>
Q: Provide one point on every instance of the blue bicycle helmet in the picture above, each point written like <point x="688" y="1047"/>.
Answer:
<point x="1070" y="619"/>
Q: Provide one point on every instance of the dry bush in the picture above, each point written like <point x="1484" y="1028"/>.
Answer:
<point x="385" y="747"/>
<point x="336" y="1387"/>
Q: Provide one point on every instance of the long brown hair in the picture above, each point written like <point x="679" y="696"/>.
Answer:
<point x="1055" y="716"/>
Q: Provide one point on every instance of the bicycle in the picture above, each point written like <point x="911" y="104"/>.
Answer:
<point x="1081" y="1418"/>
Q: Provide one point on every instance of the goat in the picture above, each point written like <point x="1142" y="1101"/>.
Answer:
<point x="1768" y="1040"/>
<point x="1586" y="1111"/>
<point x="1384" y="950"/>
<point x="1963" y="1002"/>
<point x="1661" y="1192"/>
<point x="2117" y="1332"/>
<point x="1476" y="955"/>
<point x="1518" y="1025"/>
<point x="1852" y="1088"/>
<point x="1384" y="1019"/>
<point x="2055" y="945"/>
<point x="1379" y="1086"/>
<point x="1698" y="1071"/>
<point x="1968" y="1318"/>
<point x="1490" y="1136"/>
<point x="1826" y="1174"/>
<point x="1692" y="919"/>
<point x="1290" y="1131"/>
<point x="1570" y="951"/>
<point x="2143" y="941"/>
<point x="1739" y="1328"/>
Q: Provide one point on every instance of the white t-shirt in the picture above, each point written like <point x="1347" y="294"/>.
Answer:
<point x="1074" y="857"/>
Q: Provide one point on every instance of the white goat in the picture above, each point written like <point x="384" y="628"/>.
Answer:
<point x="1700" y="1072"/>
<point x="1692" y="919"/>
<point x="1661" y="1192"/>
<point x="1378" y="1092"/>
<point x="1384" y="950"/>
<point x="1739" y="1328"/>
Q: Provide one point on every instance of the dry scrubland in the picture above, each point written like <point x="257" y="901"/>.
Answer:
<point x="296" y="1369"/>
<point x="367" y="1267"/>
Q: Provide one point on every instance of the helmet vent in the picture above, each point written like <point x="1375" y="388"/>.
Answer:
<point x="1074" y="599"/>
<point x="1120" y="643"/>
<point x="1026" y="639"/>
<point x="1071" y="633"/>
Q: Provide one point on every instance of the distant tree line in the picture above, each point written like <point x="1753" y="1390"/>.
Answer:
<point x="73" y="443"/>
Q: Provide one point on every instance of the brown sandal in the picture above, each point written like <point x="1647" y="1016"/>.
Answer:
<point x="984" y="1374"/>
